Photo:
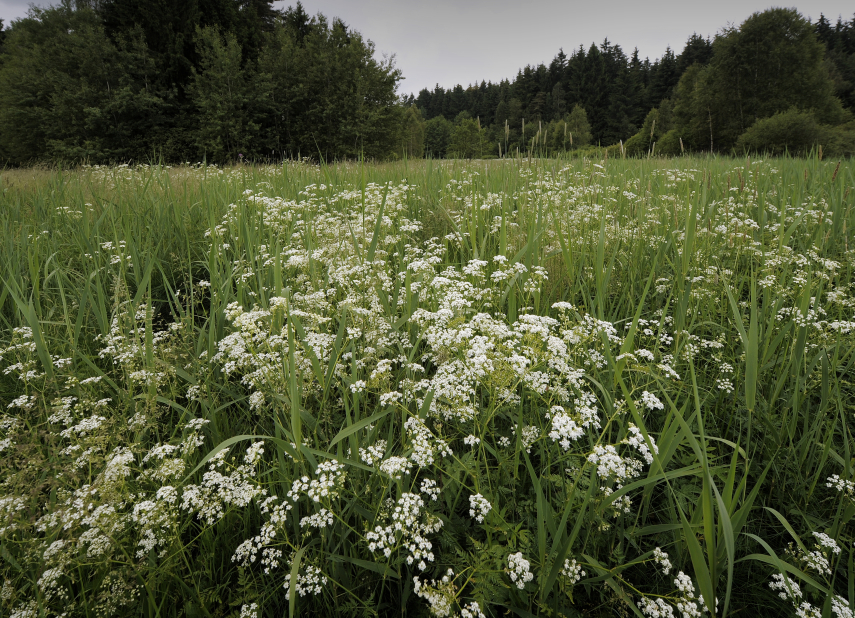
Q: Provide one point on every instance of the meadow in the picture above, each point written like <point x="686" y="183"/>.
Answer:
<point x="531" y="387"/>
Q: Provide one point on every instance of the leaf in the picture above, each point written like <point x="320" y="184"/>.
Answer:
<point x="295" y="573"/>
<point x="341" y="435"/>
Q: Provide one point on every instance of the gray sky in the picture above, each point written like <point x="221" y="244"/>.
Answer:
<point x="463" y="41"/>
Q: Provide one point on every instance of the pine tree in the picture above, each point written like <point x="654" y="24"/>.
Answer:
<point x="664" y="77"/>
<point x="618" y="125"/>
<point x="697" y="50"/>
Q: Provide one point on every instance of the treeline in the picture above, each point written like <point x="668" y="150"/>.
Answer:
<point x="122" y="80"/>
<point x="220" y="80"/>
<point x="616" y="91"/>
<point x="775" y="83"/>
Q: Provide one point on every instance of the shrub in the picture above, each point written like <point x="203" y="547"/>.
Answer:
<point x="669" y="144"/>
<point x="793" y="131"/>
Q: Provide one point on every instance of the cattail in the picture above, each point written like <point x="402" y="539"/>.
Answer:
<point x="819" y="152"/>
<point x="834" y="175"/>
<point x="681" y="145"/>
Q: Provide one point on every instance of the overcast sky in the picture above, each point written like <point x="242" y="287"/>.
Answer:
<point x="448" y="42"/>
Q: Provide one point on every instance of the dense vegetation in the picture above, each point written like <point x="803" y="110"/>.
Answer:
<point x="125" y="80"/>
<point x="548" y="387"/>
<point x="223" y="80"/>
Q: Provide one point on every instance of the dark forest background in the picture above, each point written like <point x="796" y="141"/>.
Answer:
<point x="220" y="80"/>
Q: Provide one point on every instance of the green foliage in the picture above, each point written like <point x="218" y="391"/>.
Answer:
<point x="797" y="133"/>
<point x="413" y="133"/>
<point x="122" y="80"/>
<point x="657" y="125"/>
<point x="324" y="94"/>
<point x="467" y="140"/>
<point x="67" y="92"/>
<point x="178" y="346"/>
<point x="771" y="63"/>
<point x="128" y="81"/>
<point x="437" y="137"/>
<point x="225" y="96"/>
<point x="791" y="131"/>
<point x="669" y="144"/>
<point x="578" y="127"/>
<point x="840" y="140"/>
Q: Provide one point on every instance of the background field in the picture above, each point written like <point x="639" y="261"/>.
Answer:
<point x="661" y="361"/>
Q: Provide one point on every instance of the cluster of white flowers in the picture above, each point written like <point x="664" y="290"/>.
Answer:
<point x="636" y="440"/>
<point x="479" y="507"/>
<point x="425" y="446"/>
<point x="519" y="570"/>
<point x="218" y="492"/>
<point x="662" y="559"/>
<point x="472" y="610"/>
<point x="429" y="488"/>
<point x="374" y="453"/>
<point x="689" y="606"/>
<point x="395" y="467"/>
<point x="650" y="401"/>
<point x="840" y="607"/>
<point x="24" y="402"/>
<point x="407" y="528"/>
<point x="564" y="428"/>
<point x="247" y="552"/>
<point x="686" y="603"/>
<point x="249" y="611"/>
<point x="310" y="581"/>
<point x="572" y="571"/>
<point x="842" y="485"/>
<point x="328" y="477"/>
<point x="440" y="595"/>
<point x="789" y="590"/>
<point x="655" y="608"/>
<point x="528" y="436"/>
<point x="321" y="519"/>
<point x="610" y="464"/>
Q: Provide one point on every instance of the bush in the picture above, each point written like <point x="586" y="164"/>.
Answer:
<point x="840" y="140"/>
<point x="793" y="132"/>
<point x="669" y="144"/>
<point x="636" y="145"/>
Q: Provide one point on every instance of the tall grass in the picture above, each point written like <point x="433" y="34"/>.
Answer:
<point x="180" y="344"/>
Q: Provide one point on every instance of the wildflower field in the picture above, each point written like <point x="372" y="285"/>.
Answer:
<point x="506" y="388"/>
